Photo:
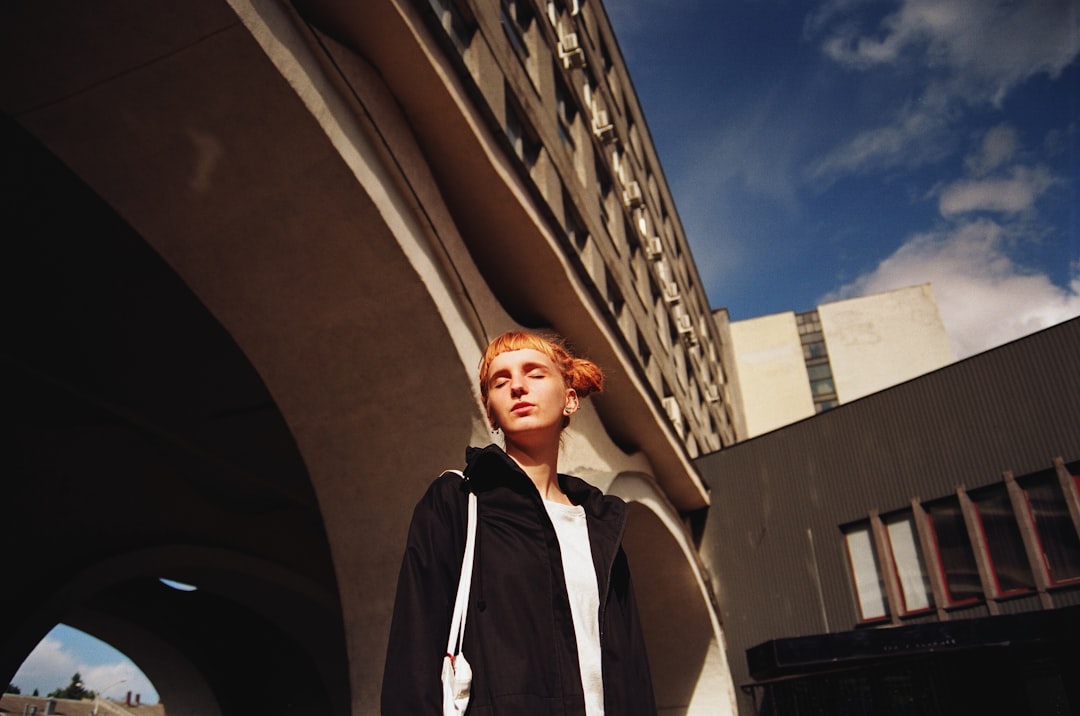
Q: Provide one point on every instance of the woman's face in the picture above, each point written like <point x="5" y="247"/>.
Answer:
<point x="526" y="393"/>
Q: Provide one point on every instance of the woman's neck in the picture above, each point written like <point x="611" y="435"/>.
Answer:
<point x="541" y="465"/>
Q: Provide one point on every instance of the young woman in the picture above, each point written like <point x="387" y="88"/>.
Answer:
<point x="552" y="625"/>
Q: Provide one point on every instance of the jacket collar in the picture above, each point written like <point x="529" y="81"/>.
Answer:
<point x="490" y="466"/>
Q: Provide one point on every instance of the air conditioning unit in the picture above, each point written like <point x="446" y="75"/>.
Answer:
<point x="602" y="126"/>
<point x="685" y="326"/>
<point x="671" y="293"/>
<point x="654" y="248"/>
<point x="632" y="195"/>
<point x="570" y="51"/>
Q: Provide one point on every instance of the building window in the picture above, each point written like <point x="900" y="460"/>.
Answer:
<point x="635" y="142"/>
<point x="982" y="542"/>
<point x="521" y="136"/>
<point x="816" y="356"/>
<point x="822" y="387"/>
<point x="809" y="323"/>
<point x="453" y="22"/>
<point x="644" y="354"/>
<point x="614" y="295"/>
<point x="960" y="572"/>
<point x="575" y="228"/>
<point x="1054" y="527"/>
<point x="814" y="348"/>
<point x="1012" y="573"/>
<point x="603" y="181"/>
<point x="866" y="573"/>
<point x="820" y="406"/>
<point x="908" y="560"/>
<point x="516" y="20"/>
<point x="567" y="111"/>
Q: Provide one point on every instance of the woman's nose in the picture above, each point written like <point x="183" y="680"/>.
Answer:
<point x="517" y="384"/>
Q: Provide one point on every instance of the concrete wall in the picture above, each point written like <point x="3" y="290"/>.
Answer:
<point x="878" y="341"/>
<point x="771" y="372"/>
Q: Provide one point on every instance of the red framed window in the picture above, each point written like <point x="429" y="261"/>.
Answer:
<point x="908" y="561"/>
<point x="960" y="572"/>
<point x="1058" y="540"/>
<point x="1008" y="560"/>
<point x="866" y="573"/>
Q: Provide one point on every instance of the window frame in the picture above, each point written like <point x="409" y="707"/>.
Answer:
<point x="901" y="567"/>
<point x="854" y="572"/>
<point x="951" y="601"/>
<point x="994" y="561"/>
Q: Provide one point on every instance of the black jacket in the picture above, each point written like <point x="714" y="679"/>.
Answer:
<point x="519" y="635"/>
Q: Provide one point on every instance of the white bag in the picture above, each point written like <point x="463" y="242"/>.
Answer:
<point x="456" y="672"/>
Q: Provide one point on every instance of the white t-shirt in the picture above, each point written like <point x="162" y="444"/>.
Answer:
<point x="573" y="533"/>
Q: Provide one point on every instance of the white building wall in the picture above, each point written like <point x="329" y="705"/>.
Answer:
<point x="774" y="387"/>
<point x="878" y="341"/>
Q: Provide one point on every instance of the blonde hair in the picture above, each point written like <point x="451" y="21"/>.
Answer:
<point x="584" y="376"/>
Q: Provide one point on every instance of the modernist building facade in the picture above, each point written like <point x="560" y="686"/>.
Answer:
<point x="916" y="551"/>
<point x="258" y="247"/>
<point x="790" y="366"/>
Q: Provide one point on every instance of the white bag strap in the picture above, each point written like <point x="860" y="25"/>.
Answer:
<point x="461" y="602"/>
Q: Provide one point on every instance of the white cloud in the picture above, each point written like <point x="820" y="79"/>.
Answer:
<point x="998" y="146"/>
<point x="984" y="48"/>
<point x="49" y="666"/>
<point x="993" y="184"/>
<point x="985" y="298"/>
<point x="116" y="679"/>
<point x="915" y="137"/>
<point x="52" y="664"/>
<point x="1012" y="194"/>
<point x="944" y="57"/>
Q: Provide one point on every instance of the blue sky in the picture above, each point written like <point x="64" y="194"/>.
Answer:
<point x="65" y="651"/>
<point x="825" y="150"/>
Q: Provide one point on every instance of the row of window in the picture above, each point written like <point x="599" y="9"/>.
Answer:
<point x="1013" y="538"/>
<point x="816" y="356"/>
<point x="625" y="216"/>
<point x="656" y="280"/>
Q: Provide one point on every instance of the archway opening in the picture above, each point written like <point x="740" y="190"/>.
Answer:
<point x="145" y="445"/>
<point x="69" y="657"/>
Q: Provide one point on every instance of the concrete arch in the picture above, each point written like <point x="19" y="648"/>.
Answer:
<point x="684" y="635"/>
<point x="223" y="364"/>
<point x="144" y="444"/>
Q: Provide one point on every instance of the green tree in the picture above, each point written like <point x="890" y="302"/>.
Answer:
<point x="12" y="689"/>
<point x="75" y="690"/>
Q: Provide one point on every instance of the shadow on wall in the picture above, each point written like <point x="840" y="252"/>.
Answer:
<point x="675" y="618"/>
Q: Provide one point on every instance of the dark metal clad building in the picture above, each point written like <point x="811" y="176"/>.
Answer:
<point x="918" y="549"/>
